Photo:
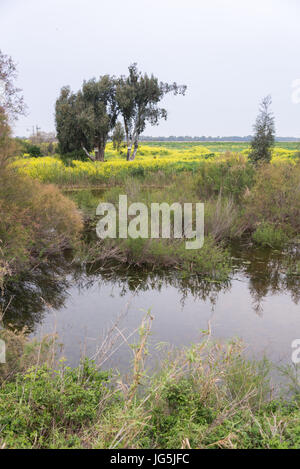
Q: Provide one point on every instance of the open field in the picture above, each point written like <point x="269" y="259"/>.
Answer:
<point x="163" y="161"/>
<point x="219" y="146"/>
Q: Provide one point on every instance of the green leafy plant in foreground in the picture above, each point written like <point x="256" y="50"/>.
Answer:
<point x="205" y="396"/>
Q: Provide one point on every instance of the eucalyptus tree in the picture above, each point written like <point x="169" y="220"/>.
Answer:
<point x="84" y="119"/>
<point x="69" y="133"/>
<point x="264" y="137"/>
<point x="138" y="97"/>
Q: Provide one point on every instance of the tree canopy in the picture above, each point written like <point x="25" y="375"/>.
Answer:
<point x="138" y="97"/>
<point x="86" y="119"/>
<point x="264" y="137"/>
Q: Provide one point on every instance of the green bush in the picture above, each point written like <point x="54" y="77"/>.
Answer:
<point x="230" y="176"/>
<point x="35" y="220"/>
<point x="67" y="158"/>
<point x="206" y="396"/>
<point x="275" y="197"/>
<point x="269" y="235"/>
<point x="43" y="398"/>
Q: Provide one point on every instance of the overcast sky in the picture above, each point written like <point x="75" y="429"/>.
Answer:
<point x="229" y="53"/>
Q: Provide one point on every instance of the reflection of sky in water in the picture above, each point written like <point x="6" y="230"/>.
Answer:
<point x="88" y="314"/>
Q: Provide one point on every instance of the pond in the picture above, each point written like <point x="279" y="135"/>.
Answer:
<point x="259" y="304"/>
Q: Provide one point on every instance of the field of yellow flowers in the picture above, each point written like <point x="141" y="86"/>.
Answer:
<point x="149" y="161"/>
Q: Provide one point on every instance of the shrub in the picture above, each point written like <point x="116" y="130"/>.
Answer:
<point x="67" y="158"/>
<point x="269" y="235"/>
<point x="230" y="175"/>
<point x="222" y="218"/>
<point x="35" y="220"/>
<point x="275" y="197"/>
<point x="205" y="396"/>
<point x="42" y="398"/>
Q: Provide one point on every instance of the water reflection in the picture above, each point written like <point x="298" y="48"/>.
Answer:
<point x="26" y="301"/>
<point x="267" y="272"/>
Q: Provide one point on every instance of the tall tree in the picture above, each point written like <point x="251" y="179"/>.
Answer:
<point x="99" y="112"/>
<point x="264" y="137"/>
<point x="69" y="133"/>
<point x="84" y="119"/>
<point x="138" y="97"/>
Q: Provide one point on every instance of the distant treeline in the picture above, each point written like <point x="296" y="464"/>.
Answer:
<point x="188" y="138"/>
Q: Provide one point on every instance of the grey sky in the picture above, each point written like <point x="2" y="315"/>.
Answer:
<point x="230" y="54"/>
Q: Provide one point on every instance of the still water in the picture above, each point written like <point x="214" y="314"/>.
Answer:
<point x="259" y="305"/>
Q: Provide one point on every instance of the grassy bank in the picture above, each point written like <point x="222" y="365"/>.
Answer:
<point x="261" y="205"/>
<point x="205" y="396"/>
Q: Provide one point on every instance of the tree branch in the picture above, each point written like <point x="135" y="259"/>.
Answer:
<point x="87" y="153"/>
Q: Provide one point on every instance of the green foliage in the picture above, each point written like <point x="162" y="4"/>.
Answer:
<point x="84" y="199"/>
<point x="84" y="119"/>
<point x="32" y="150"/>
<point x="118" y="137"/>
<point x="210" y="261"/>
<point x="137" y="97"/>
<point x="206" y="396"/>
<point x="69" y="133"/>
<point x="67" y="158"/>
<point x="275" y="198"/>
<point x="43" y="398"/>
<point x="35" y="220"/>
<point x="264" y="138"/>
<point x="231" y="175"/>
<point x="98" y="112"/>
<point x="269" y="235"/>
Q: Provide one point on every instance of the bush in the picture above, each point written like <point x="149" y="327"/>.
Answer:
<point x="31" y="149"/>
<point x="231" y="176"/>
<point x="269" y="235"/>
<point x="35" y="220"/>
<point x="42" y="398"/>
<point x="205" y="396"/>
<point x="275" y="197"/>
<point x="67" y="158"/>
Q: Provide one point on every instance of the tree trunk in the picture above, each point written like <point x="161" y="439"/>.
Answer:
<point x="136" y="145"/>
<point x="128" y="140"/>
<point x="128" y="152"/>
<point x="99" y="152"/>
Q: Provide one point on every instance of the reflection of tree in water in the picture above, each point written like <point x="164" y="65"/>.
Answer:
<point x="141" y="280"/>
<point x="25" y="300"/>
<point x="267" y="273"/>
